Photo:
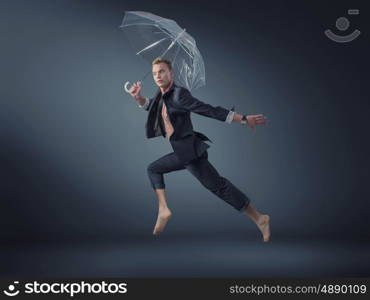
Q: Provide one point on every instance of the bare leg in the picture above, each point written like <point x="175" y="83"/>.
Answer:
<point x="262" y="221"/>
<point x="164" y="214"/>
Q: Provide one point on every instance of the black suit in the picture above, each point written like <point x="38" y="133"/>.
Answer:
<point x="188" y="145"/>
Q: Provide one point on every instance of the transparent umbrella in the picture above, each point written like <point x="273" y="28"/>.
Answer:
<point x="152" y="36"/>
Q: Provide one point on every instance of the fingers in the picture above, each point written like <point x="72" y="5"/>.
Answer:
<point x="138" y="84"/>
<point x="254" y="120"/>
<point x="132" y="88"/>
<point x="261" y="122"/>
<point x="135" y="88"/>
<point x="259" y="119"/>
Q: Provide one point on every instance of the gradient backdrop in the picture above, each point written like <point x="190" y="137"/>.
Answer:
<point x="74" y="152"/>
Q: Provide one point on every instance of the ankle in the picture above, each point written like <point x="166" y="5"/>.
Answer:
<point x="254" y="216"/>
<point x="262" y="219"/>
<point x="163" y="207"/>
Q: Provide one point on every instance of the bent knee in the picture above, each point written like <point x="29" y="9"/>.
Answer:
<point x="150" y="168"/>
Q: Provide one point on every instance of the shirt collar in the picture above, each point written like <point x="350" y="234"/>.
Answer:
<point x="168" y="91"/>
<point x="159" y="93"/>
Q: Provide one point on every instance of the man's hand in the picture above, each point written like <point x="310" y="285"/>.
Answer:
<point x="135" y="92"/>
<point x="254" y="120"/>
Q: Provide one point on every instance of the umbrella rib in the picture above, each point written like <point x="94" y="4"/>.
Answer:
<point x="183" y="48"/>
<point x="151" y="45"/>
<point x="135" y="24"/>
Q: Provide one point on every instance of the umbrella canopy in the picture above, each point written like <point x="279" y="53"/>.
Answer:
<point x="152" y="36"/>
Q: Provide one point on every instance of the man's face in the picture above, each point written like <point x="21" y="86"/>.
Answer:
<point x="162" y="75"/>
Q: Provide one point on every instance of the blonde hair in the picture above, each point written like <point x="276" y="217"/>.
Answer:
<point x="159" y="60"/>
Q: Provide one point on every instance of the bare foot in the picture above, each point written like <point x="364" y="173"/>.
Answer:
<point x="264" y="225"/>
<point x="164" y="215"/>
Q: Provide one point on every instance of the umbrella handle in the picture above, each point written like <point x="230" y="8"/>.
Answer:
<point x="125" y="86"/>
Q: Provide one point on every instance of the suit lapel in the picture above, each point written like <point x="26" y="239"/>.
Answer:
<point x="152" y="115"/>
<point x="155" y="101"/>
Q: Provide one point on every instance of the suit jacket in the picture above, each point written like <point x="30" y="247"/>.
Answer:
<point x="186" y="143"/>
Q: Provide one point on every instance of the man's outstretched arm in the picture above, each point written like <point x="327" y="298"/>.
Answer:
<point x="186" y="101"/>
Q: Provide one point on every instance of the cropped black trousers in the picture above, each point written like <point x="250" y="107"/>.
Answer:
<point x="203" y="170"/>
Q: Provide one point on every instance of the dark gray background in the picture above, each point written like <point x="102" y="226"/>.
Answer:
<point x="73" y="147"/>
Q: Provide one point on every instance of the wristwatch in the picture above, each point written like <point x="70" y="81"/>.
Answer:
<point x="244" y="120"/>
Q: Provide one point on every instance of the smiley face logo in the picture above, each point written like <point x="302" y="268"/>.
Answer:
<point x="342" y="24"/>
<point x="12" y="292"/>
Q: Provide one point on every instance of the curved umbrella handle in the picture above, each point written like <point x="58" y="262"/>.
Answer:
<point x="126" y="87"/>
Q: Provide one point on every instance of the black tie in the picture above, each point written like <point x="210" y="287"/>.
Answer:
<point x="159" y="123"/>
